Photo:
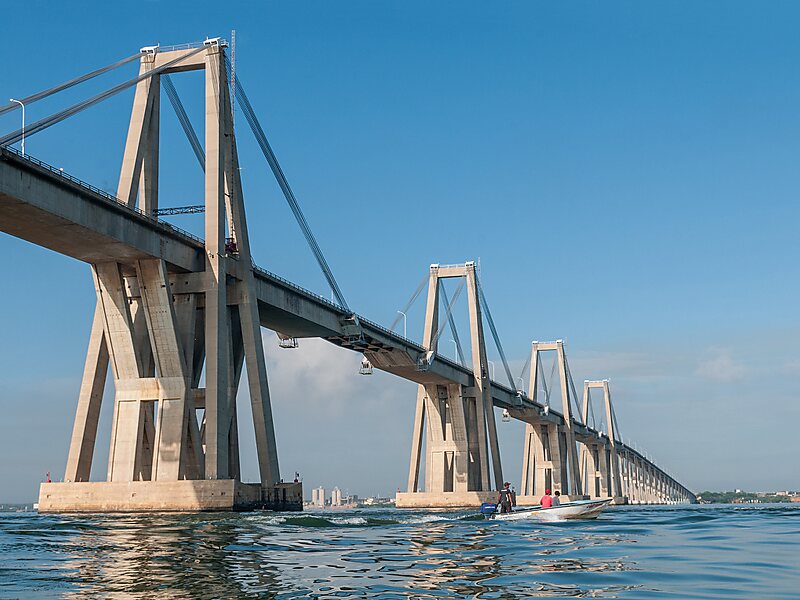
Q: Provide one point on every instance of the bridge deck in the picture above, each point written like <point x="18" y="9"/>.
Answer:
<point x="47" y="207"/>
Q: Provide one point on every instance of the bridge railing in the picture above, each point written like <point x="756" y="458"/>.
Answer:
<point x="102" y="193"/>
<point x="270" y="275"/>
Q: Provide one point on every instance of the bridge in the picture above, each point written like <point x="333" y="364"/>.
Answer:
<point x="177" y="317"/>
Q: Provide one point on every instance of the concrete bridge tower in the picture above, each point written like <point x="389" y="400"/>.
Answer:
<point x="550" y="458"/>
<point x="600" y="461"/>
<point x="462" y="454"/>
<point x="175" y="442"/>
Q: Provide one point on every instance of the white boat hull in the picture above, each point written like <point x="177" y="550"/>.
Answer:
<point x="581" y="509"/>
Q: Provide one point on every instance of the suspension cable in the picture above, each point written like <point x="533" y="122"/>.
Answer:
<point x="591" y="411"/>
<point x="180" y="112"/>
<point x="496" y="337"/>
<point x="572" y="387"/>
<point x="524" y="368"/>
<point x="80" y="106"/>
<point x="411" y="301"/>
<point x="266" y="149"/>
<point x="448" y="313"/>
<point x="617" y="431"/>
<point x="67" y="84"/>
<point x="547" y="390"/>
<point x="452" y="322"/>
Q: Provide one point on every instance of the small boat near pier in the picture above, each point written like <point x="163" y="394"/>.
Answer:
<point x="580" y="509"/>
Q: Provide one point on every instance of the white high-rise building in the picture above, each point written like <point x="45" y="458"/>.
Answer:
<point x="318" y="497"/>
<point x="336" y="497"/>
<point x="314" y="496"/>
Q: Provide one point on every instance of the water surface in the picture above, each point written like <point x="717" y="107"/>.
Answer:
<point x="630" y="552"/>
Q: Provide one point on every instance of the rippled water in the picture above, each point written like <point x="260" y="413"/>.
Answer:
<point x="630" y="552"/>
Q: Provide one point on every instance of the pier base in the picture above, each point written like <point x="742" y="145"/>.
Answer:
<point x="443" y="499"/>
<point x="167" y="496"/>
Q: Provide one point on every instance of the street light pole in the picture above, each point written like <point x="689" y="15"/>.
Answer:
<point x="491" y="371"/>
<point x="404" y="323"/>
<point x="22" y="143"/>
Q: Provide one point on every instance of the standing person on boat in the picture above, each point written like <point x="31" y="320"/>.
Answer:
<point x="547" y="500"/>
<point x="505" y="501"/>
<point x="556" y="498"/>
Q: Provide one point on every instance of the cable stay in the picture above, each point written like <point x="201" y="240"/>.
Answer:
<point x="55" y="118"/>
<point x="617" y="431"/>
<point x="180" y="112"/>
<point x="261" y="138"/>
<point x="67" y="84"/>
<point x="591" y="413"/>
<point x="526" y="368"/>
<point x="496" y="337"/>
<point x="410" y="302"/>
<point x="574" y="394"/>
<point x="448" y="313"/>
<point x="452" y="322"/>
<point x="544" y="381"/>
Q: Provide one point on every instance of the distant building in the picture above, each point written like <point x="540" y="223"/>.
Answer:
<point x="336" y="497"/>
<point x="318" y="496"/>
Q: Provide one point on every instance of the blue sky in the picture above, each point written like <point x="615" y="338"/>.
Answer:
<point x="625" y="171"/>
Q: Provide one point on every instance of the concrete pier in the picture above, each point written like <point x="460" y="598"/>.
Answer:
<point x="167" y="496"/>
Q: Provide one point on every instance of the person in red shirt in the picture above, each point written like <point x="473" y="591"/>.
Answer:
<point x="547" y="500"/>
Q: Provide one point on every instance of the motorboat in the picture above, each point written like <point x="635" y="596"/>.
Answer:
<point x="579" y="509"/>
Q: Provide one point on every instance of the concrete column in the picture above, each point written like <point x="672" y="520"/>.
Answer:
<point x="84" y="432"/>
<point x="217" y="413"/>
<point x="603" y="471"/>
<point x="145" y="99"/>
<point x="573" y="467"/>
<point x="614" y="483"/>
<point x="526" y="481"/>
<point x="173" y="398"/>
<point x="128" y="422"/>
<point x="416" y="441"/>
<point x="148" y="182"/>
<point x="253" y="349"/>
<point x="480" y="371"/>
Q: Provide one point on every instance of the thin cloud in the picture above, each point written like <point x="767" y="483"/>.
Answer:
<point x="721" y="367"/>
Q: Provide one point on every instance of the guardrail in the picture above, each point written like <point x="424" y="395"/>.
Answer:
<point x="108" y="197"/>
<point x="188" y="46"/>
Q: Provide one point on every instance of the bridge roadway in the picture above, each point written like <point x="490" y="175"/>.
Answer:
<point x="50" y="208"/>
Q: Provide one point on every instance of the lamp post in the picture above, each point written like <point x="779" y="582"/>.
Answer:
<point x="22" y="143"/>
<point x="404" y="323"/>
<point x="491" y="370"/>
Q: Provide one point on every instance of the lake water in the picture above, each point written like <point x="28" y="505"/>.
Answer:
<point x="730" y="551"/>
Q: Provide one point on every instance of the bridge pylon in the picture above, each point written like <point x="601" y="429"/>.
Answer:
<point x="550" y="458"/>
<point x="600" y="460"/>
<point x="163" y="331"/>
<point x="457" y="423"/>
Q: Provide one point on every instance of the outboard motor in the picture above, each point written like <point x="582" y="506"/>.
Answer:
<point x="488" y="508"/>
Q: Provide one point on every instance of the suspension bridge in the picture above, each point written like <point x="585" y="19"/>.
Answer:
<point x="178" y="317"/>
